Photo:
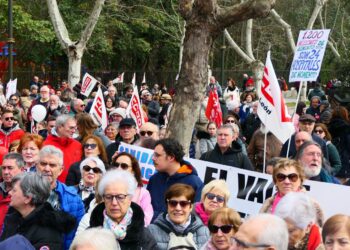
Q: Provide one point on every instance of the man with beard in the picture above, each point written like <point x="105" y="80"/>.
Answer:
<point x="56" y="107"/>
<point x="310" y="157"/>
<point x="152" y="106"/>
<point x="62" y="197"/>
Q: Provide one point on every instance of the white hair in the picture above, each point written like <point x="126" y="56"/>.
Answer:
<point x="297" y="207"/>
<point x="51" y="150"/>
<point x="95" y="159"/>
<point x="97" y="238"/>
<point x="114" y="176"/>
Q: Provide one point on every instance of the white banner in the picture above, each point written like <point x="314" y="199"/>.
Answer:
<point x="11" y="88"/>
<point x="308" y="55"/>
<point x="134" y="109"/>
<point x="133" y="80"/>
<point x="119" y="79"/>
<point x="249" y="189"/>
<point x="88" y="84"/>
<point x="98" y="110"/>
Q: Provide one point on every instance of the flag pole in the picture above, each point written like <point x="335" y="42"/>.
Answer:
<point x="295" y="109"/>
<point x="265" y="146"/>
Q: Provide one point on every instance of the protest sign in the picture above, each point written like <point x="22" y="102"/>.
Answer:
<point x="88" y="84"/>
<point x="98" y="110"/>
<point x="308" y="55"/>
<point x="11" y="88"/>
<point x="248" y="189"/>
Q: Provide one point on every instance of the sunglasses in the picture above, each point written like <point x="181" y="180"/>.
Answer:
<point x="174" y="203"/>
<point x="292" y="177"/>
<point x="230" y="121"/>
<point x="9" y="119"/>
<point x="92" y="146"/>
<point x="224" y="228"/>
<point x="124" y="166"/>
<point x="319" y="131"/>
<point x="87" y="168"/>
<point x="83" y="105"/>
<point x="149" y="133"/>
<point x="218" y="198"/>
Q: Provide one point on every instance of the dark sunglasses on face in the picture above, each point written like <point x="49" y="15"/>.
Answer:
<point x="218" y="198"/>
<point x="87" y="168"/>
<point x="292" y="177"/>
<point x="224" y="228"/>
<point x="230" y="121"/>
<point x="92" y="146"/>
<point x="149" y="133"/>
<point x="9" y="119"/>
<point x="124" y="166"/>
<point x="318" y="131"/>
<point x="174" y="203"/>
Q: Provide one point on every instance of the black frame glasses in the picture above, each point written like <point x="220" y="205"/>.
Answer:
<point x="118" y="197"/>
<point x="218" y="198"/>
<point x="292" y="177"/>
<point x="174" y="203"/>
<point x="96" y="170"/>
<point x="92" y="145"/>
<point x="224" y="228"/>
<point x="9" y="119"/>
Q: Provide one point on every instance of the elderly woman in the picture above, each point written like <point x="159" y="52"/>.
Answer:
<point x="336" y="232"/>
<point x="141" y="197"/>
<point x="111" y="131"/>
<point x="288" y="176"/>
<point x="95" y="239"/>
<point x="32" y="216"/>
<point x="119" y="214"/>
<point x="207" y="140"/>
<point x="299" y="213"/>
<point x="215" y="195"/>
<point x="92" y="169"/>
<point x="178" y="226"/>
<point x="223" y="224"/>
<point x="29" y="147"/>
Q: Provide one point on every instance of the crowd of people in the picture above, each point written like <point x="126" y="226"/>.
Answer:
<point x="64" y="185"/>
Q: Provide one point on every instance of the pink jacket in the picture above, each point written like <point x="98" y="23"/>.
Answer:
<point x="143" y="199"/>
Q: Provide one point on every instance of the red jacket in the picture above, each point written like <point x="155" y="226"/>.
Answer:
<point x="72" y="152"/>
<point x="13" y="134"/>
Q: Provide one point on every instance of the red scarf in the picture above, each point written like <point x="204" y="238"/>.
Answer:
<point x="314" y="238"/>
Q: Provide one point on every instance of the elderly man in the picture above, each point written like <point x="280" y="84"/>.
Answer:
<point x="300" y="138"/>
<point x="43" y="99"/>
<point x="56" y="107"/>
<point x="117" y="115"/>
<point x="9" y="130"/>
<point x="262" y="231"/>
<point x="77" y="107"/>
<point x="165" y="102"/>
<point x="112" y="93"/>
<point x="310" y="157"/>
<point x="152" y="106"/>
<point x="62" y="137"/>
<point x="62" y="197"/>
<point x="227" y="151"/>
<point x="12" y="165"/>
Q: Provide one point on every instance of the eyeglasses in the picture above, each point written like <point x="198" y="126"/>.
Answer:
<point x="174" y="203"/>
<point x="124" y="166"/>
<point x="83" y="105"/>
<point x="218" y="198"/>
<point x="9" y="119"/>
<point x="149" y="133"/>
<point x="224" y="228"/>
<point x="292" y="177"/>
<point x="118" y="197"/>
<point x="92" y="146"/>
<point x="241" y="244"/>
<point x="318" y="131"/>
<point x="230" y="121"/>
<point x="87" y="168"/>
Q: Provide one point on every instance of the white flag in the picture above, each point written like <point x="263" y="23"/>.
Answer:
<point x="119" y="79"/>
<point x="144" y="78"/>
<point x="133" y="81"/>
<point x="98" y="110"/>
<point x="272" y="110"/>
<point x="88" y="84"/>
<point x="134" y="109"/>
<point x="11" y="88"/>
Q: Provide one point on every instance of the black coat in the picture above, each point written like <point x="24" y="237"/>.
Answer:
<point x="113" y="147"/>
<point x="42" y="227"/>
<point x="137" y="236"/>
<point x="233" y="156"/>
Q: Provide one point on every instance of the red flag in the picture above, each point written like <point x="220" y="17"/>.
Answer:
<point x="134" y="109"/>
<point x="213" y="111"/>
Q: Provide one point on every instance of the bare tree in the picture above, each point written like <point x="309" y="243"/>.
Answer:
<point x="73" y="49"/>
<point x="205" y="20"/>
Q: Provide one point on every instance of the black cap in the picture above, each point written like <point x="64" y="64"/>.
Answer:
<point x="307" y="118"/>
<point x="127" y="122"/>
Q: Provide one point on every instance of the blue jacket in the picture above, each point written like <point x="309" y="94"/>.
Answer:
<point x="160" y="182"/>
<point x="71" y="203"/>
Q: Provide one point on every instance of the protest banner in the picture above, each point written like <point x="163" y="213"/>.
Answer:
<point x="88" y="84"/>
<point x="248" y="189"/>
<point x="308" y="55"/>
<point x="134" y="109"/>
<point x="119" y="79"/>
<point x="11" y="88"/>
<point x="272" y="110"/>
<point x="98" y="110"/>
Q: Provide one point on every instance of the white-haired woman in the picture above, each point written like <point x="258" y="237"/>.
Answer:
<point x="119" y="214"/>
<point x="34" y="218"/>
<point x="298" y="211"/>
<point x="215" y="195"/>
<point x="95" y="239"/>
<point x="92" y="169"/>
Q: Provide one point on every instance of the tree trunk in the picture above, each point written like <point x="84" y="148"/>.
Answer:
<point x="74" y="58"/>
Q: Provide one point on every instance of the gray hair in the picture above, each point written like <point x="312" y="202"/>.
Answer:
<point x="302" y="148"/>
<point x="235" y="128"/>
<point x="114" y="176"/>
<point x="97" y="238"/>
<point x="51" y="150"/>
<point x="33" y="185"/>
<point x="227" y="126"/>
<point x="62" y="119"/>
<point x="275" y="232"/>
<point x="298" y="208"/>
<point x="17" y="157"/>
<point x="95" y="159"/>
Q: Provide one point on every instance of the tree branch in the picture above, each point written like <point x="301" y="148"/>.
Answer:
<point x="318" y="7"/>
<point x="226" y="16"/>
<point x="185" y="8"/>
<point x="330" y="43"/>
<point x="235" y="46"/>
<point x="286" y="27"/>
<point x="248" y="40"/>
